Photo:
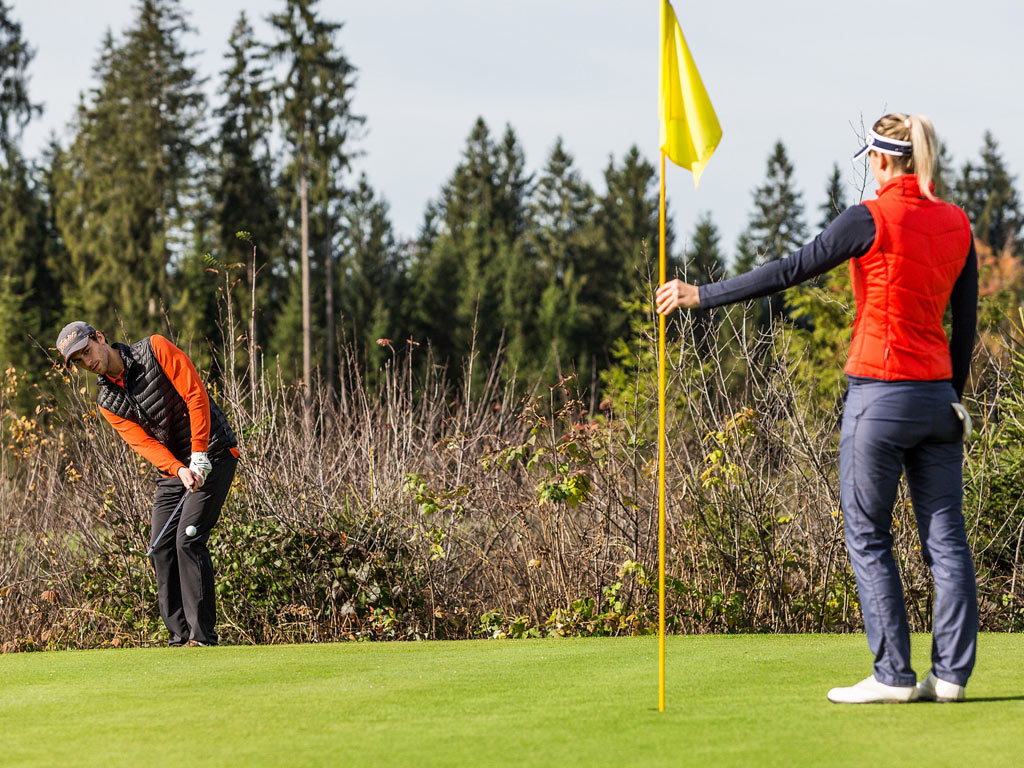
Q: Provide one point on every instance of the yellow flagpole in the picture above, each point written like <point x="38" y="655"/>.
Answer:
<point x="689" y="134"/>
<point x="661" y="449"/>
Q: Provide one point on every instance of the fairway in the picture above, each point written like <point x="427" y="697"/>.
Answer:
<point x="731" y="700"/>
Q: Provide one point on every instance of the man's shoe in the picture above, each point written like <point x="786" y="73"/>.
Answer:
<point x="196" y="644"/>
<point x="870" y="691"/>
<point x="934" y="689"/>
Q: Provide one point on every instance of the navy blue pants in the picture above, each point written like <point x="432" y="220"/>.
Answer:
<point x="892" y="428"/>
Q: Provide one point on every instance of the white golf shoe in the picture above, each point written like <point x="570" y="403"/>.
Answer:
<point x="934" y="689"/>
<point x="870" y="691"/>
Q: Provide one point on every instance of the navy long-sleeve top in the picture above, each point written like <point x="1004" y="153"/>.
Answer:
<point x="850" y="236"/>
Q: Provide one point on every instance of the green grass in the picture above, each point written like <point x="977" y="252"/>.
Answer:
<point x="731" y="701"/>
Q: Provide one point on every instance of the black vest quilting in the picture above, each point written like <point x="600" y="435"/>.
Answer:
<point x="150" y="400"/>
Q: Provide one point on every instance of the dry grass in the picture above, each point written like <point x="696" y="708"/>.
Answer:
<point x="415" y="508"/>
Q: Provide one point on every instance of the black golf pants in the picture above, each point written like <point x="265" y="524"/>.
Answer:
<point x="184" y="570"/>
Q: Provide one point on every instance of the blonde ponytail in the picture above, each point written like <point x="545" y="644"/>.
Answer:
<point x="922" y="136"/>
<point x="917" y="129"/>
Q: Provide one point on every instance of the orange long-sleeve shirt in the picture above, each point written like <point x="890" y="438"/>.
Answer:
<point x="185" y="380"/>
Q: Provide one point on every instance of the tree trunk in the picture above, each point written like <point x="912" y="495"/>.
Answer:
<point x="329" y="300"/>
<point x="253" y="347"/>
<point x="307" y="366"/>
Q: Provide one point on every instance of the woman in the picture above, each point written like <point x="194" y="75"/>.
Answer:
<point x="911" y="255"/>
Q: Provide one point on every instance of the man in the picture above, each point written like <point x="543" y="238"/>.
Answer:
<point x="151" y="393"/>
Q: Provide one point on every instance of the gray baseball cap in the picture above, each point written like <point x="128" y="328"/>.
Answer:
<point x="73" y="337"/>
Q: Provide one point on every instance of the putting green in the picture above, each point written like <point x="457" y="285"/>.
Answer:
<point x="731" y="701"/>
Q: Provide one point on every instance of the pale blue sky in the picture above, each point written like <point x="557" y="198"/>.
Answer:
<point x="797" y="70"/>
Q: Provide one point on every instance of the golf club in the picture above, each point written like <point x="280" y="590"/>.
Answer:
<point x="161" y="534"/>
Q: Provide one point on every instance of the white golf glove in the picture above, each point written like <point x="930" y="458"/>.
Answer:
<point x="965" y="420"/>
<point x="201" y="466"/>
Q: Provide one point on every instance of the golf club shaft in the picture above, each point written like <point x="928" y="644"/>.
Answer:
<point x="170" y="517"/>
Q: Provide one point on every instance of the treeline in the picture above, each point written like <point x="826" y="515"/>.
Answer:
<point x="162" y="206"/>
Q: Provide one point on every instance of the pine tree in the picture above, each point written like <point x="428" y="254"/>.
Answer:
<point x="941" y="173"/>
<point x="316" y="119"/>
<point x="835" y="198"/>
<point x="24" y="276"/>
<point x="513" y="268"/>
<point x="987" y="194"/>
<point x="625" y="262"/>
<point x="563" y="237"/>
<point x="373" y="281"/>
<point x="29" y="295"/>
<point x="125" y="186"/>
<point x="746" y="257"/>
<point x="16" y="109"/>
<point x="51" y="256"/>
<point x="704" y="265"/>
<point x="822" y="311"/>
<point x="470" y="259"/>
<point x="776" y="227"/>
<point x="704" y="256"/>
<point x="480" y="226"/>
<point x="459" y="217"/>
<point x="335" y="128"/>
<point x="244" y="189"/>
<point x="286" y="337"/>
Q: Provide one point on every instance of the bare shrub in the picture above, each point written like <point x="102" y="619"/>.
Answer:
<point x="413" y="508"/>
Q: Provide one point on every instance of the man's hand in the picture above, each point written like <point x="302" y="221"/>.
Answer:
<point x="675" y="294"/>
<point x="189" y="478"/>
<point x="200" y="466"/>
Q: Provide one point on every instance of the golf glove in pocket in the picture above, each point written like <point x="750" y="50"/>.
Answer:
<point x="965" y="420"/>
<point x="201" y="466"/>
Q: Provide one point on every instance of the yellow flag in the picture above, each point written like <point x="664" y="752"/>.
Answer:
<point x="689" y="127"/>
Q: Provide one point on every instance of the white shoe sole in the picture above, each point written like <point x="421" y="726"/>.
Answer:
<point x="870" y="691"/>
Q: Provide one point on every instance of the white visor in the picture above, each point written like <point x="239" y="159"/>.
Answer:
<point x="885" y="145"/>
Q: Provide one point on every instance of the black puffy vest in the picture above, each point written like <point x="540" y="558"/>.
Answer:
<point x="151" y="401"/>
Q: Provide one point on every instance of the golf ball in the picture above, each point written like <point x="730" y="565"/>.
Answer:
<point x="190" y="531"/>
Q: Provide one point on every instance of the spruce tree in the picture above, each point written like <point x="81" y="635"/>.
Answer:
<point x="470" y="263"/>
<point x="704" y="264"/>
<point x="513" y="270"/>
<point x="476" y="234"/>
<point x="703" y="260"/>
<point x="776" y="227"/>
<point x="29" y="294"/>
<point x="986" y="192"/>
<point x="625" y="261"/>
<point x="125" y="187"/>
<point x="942" y="172"/>
<point x="822" y="310"/>
<point x="835" y="198"/>
<point x="564" y="238"/>
<point x="335" y="130"/>
<point x="746" y="257"/>
<point x="25" y="282"/>
<point x="50" y="258"/>
<point x="315" y="114"/>
<point x="456" y="228"/>
<point x="373" y="280"/>
<point x="244" y="189"/>
<point x="16" y="109"/>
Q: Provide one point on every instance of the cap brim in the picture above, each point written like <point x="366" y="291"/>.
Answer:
<point x="863" y="151"/>
<point x="82" y="343"/>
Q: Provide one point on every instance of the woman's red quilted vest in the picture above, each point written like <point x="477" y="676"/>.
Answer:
<point x="902" y="285"/>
